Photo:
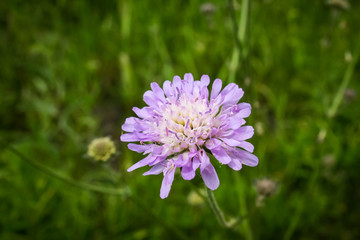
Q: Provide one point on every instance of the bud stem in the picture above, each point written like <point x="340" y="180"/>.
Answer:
<point x="216" y="209"/>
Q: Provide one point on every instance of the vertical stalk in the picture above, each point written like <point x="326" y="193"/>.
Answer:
<point x="339" y="96"/>
<point x="215" y="208"/>
<point x="345" y="82"/>
<point x="240" y="31"/>
<point x="244" y="18"/>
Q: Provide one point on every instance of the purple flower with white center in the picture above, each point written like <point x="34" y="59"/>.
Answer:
<point x="182" y="123"/>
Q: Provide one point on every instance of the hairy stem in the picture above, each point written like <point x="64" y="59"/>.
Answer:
<point x="215" y="208"/>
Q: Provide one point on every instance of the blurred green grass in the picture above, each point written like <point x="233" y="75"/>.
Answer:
<point x="71" y="71"/>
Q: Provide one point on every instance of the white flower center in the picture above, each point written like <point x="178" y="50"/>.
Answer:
<point x="185" y="122"/>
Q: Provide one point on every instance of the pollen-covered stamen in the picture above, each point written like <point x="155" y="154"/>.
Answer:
<point x="189" y="119"/>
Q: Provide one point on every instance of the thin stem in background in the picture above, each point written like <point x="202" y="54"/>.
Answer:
<point x="240" y="30"/>
<point x="239" y="56"/>
<point x="235" y="26"/>
<point x="99" y="189"/>
<point x="321" y="137"/>
<point x="54" y="174"/>
<point x="344" y="84"/>
<point x="339" y="96"/>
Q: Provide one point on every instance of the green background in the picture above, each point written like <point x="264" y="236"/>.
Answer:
<point x="71" y="71"/>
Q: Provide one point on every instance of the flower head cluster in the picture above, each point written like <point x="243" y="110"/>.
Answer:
<point x="183" y="122"/>
<point x="101" y="149"/>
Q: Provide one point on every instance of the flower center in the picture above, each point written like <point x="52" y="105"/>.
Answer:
<point x="186" y="122"/>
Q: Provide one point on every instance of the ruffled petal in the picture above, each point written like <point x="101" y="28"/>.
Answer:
<point x="129" y="137"/>
<point x="188" y="172"/>
<point x="168" y="88"/>
<point x="246" y="145"/>
<point x="166" y="183"/>
<point x="176" y="84"/>
<point x="138" y="136"/>
<point x="188" y="83"/>
<point x="235" y="164"/>
<point x="216" y="88"/>
<point x="129" y="124"/>
<point x="234" y="96"/>
<point x="243" y="110"/>
<point x="159" y="93"/>
<point x="243" y="133"/>
<point x="204" y="159"/>
<point x="244" y="157"/>
<point x="212" y="143"/>
<point x="196" y="163"/>
<point x="145" y="112"/>
<point x="139" y="148"/>
<point x="142" y="162"/>
<point x="230" y="142"/>
<point x="221" y="155"/>
<point x="235" y="122"/>
<point x="204" y="82"/>
<point x="210" y="177"/>
<point x="151" y="99"/>
<point x="155" y="170"/>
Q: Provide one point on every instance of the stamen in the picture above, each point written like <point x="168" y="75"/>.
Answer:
<point x="187" y="124"/>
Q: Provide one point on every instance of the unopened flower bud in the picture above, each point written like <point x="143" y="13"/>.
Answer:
<point x="266" y="187"/>
<point x="101" y="149"/>
<point x="349" y="95"/>
<point x="208" y="8"/>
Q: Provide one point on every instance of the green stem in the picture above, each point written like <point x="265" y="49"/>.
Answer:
<point x="234" y="24"/>
<point x="99" y="189"/>
<point x="338" y="97"/>
<point x="55" y="174"/>
<point x="345" y="82"/>
<point x="215" y="208"/>
<point x="240" y="31"/>
<point x="245" y="5"/>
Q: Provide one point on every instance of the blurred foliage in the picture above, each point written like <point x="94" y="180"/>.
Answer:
<point x="71" y="71"/>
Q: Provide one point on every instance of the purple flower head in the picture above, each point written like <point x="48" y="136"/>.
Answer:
<point x="183" y="122"/>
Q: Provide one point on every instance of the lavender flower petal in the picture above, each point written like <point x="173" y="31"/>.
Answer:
<point x="155" y="170"/>
<point x="216" y="88"/>
<point x="221" y="155"/>
<point x="166" y="183"/>
<point x="244" y="157"/>
<point x="209" y="176"/>
<point x="142" y="163"/>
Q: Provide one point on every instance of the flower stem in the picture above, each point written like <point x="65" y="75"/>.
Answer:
<point x="345" y="82"/>
<point x="99" y="189"/>
<point x="339" y="96"/>
<point x="59" y="176"/>
<point x="216" y="209"/>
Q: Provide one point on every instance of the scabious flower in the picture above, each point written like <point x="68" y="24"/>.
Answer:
<point x="183" y="123"/>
